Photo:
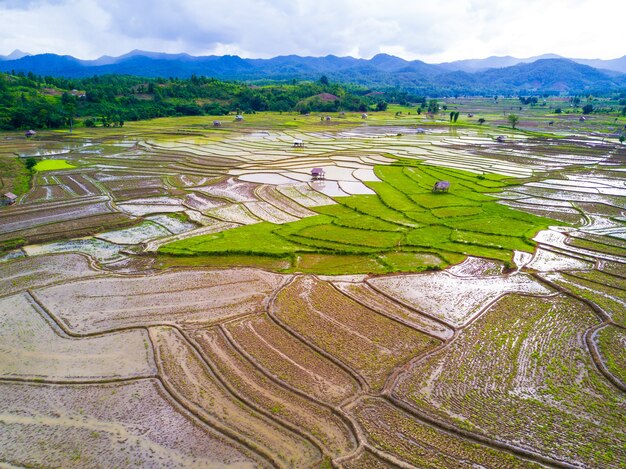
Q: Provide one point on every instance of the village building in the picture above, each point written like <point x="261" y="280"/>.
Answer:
<point x="30" y="133"/>
<point x="216" y="123"/>
<point x="238" y="117"/>
<point x="8" y="199"/>
<point x="364" y="116"/>
<point x="501" y="138"/>
<point x="297" y="143"/>
<point x="318" y="173"/>
<point x="441" y="186"/>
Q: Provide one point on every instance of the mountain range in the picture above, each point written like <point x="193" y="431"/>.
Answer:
<point x="548" y="73"/>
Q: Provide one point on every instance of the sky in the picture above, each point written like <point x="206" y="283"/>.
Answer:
<point x="429" y="30"/>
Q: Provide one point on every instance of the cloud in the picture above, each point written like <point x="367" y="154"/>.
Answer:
<point x="432" y="31"/>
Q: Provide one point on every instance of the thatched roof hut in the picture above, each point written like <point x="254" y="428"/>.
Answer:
<point x="318" y="173"/>
<point x="298" y="143"/>
<point x="216" y="123"/>
<point x="30" y="133"/>
<point x="441" y="186"/>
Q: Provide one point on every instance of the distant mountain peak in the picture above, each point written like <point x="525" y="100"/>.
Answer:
<point x="15" y="55"/>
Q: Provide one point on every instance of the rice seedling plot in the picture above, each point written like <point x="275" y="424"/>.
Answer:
<point x="368" y="460"/>
<point x="281" y="403"/>
<point x="52" y="165"/>
<point x="604" y="290"/>
<point x="451" y="299"/>
<point x="391" y="430"/>
<point x="368" y="342"/>
<point x="102" y="251"/>
<point x="107" y="425"/>
<point x="181" y="297"/>
<point x="611" y="343"/>
<point x="32" y="272"/>
<point x="364" y="294"/>
<point x="34" y="347"/>
<point x="202" y="391"/>
<point x="290" y="360"/>
<point x="522" y="374"/>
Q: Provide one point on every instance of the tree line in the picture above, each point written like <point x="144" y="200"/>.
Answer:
<point x="31" y="101"/>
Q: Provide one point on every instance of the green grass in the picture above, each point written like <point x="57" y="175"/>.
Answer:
<point x="404" y="227"/>
<point x="51" y="165"/>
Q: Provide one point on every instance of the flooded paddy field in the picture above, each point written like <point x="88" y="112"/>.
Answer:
<point x="174" y="295"/>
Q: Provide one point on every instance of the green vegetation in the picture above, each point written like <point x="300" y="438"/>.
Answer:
<point x="35" y="102"/>
<point x="14" y="175"/>
<point x="51" y="165"/>
<point x="612" y="344"/>
<point x="386" y="230"/>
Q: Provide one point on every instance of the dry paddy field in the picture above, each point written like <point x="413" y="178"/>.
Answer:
<point x="173" y="295"/>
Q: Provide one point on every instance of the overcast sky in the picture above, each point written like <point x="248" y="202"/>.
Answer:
<point x="429" y="30"/>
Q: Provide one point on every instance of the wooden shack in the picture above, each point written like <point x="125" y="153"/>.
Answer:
<point x="8" y="199"/>
<point x="318" y="173"/>
<point x="441" y="186"/>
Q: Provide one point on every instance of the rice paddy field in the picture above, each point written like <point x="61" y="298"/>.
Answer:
<point x="174" y="294"/>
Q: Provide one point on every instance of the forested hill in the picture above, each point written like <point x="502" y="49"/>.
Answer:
<point x="31" y="101"/>
<point x="554" y="75"/>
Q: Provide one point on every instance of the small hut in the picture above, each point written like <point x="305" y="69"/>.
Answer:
<point x="327" y="118"/>
<point x="30" y="133"/>
<point x="9" y="198"/>
<point x="318" y="173"/>
<point x="501" y="138"/>
<point x="582" y="119"/>
<point x="216" y="123"/>
<point x="469" y="114"/>
<point x="297" y="143"/>
<point x="441" y="186"/>
<point x="419" y="130"/>
<point x="364" y="116"/>
<point x="238" y="117"/>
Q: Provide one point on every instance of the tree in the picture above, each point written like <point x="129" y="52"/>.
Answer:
<point x="481" y="121"/>
<point x="381" y="106"/>
<point x="558" y="110"/>
<point x="621" y="139"/>
<point x="587" y="108"/>
<point x="456" y="116"/>
<point x="324" y="80"/>
<point x="30" y="163"/>
<point x="513" y="120"/>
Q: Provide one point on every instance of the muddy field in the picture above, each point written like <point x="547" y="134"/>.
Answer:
<point x="357" y="322"/>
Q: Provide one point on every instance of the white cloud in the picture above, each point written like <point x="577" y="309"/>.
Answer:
<point x="418" y="29"/>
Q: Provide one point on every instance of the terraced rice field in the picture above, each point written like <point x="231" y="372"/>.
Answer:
<point x="181" y="296"/>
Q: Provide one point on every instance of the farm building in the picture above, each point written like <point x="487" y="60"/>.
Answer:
<point x="8" y="199"/>
<point x="238" y="117"/>
<point x="318" y="173"/>
<point x="501" y="138"/>
<point x="582" y="119"/>
<point x="419" y="130"/>
<point x="30" y="133"/>
<point x="327" y="118"/>
<point x="441" y="186"/>
<point x="363" y="116"/>
<point x="216" y="123"/>
<point x="297" y="143"/>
